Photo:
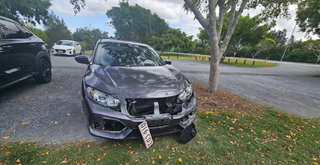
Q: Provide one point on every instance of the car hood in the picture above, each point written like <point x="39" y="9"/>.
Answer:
<point x="62" y="47"/>
<point x="136" y="82"/>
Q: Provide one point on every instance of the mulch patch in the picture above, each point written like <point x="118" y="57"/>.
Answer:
<point x="222" y="100"/>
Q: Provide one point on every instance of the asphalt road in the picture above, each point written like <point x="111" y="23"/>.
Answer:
<point x="46" y="107"/>
<point x="288" y="87"/>
<point x="53" y="112"/>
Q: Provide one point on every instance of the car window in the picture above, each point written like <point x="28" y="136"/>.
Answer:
<point x="123" y="54"/>
<point x="26" y="32"/>
<point x="10" y="30"/>
<point x="65" y="43"/>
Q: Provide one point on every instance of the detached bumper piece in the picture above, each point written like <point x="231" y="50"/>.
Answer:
<point x="188" y="134"/>
<point x="164" y="118"/>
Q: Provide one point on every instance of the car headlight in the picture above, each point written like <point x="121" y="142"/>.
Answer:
<point x="186" y="94"/>
<point x="102" y="98"/>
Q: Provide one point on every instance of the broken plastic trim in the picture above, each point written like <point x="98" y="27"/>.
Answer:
<point x="98" y="118"/>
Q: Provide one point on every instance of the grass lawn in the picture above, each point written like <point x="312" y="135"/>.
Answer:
<point x="244" y="133"/>
<point x="87" y="52"/>
<point x="232" y="61"/>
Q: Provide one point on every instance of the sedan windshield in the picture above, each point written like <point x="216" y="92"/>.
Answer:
<point x="65" y="43"/>
<point x="123" y="54"/>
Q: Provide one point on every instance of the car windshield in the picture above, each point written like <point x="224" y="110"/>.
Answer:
<point x="123" y="54"/>
<point x="65" y="43"/>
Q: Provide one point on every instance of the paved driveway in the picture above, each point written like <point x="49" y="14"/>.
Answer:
<point x="46" y="107"/>
<point x="288" y="87"/>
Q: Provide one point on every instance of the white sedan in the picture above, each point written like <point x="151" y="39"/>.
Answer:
<point x="67" y="47"/>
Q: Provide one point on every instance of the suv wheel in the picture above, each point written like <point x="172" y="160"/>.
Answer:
<point x="45" y="74"/>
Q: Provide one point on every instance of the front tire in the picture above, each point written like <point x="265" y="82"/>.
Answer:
<point x="44" y="68"/>
<point x="80" y="51"/>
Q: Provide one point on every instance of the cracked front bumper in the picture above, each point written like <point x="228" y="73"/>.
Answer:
<point x="127" y="125"/>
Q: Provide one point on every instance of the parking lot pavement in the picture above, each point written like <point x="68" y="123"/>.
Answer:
<point x="46" y="113"/>
<point x="289" y="87"/>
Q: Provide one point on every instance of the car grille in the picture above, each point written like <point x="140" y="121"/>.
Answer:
<point x="63" y="51"/>
<point x="139" y="107"/>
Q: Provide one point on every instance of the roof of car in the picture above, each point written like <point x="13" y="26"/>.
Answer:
<point x="67" y="40"/>
<point x="8" y="19"/>
<point x="121" y="41"/>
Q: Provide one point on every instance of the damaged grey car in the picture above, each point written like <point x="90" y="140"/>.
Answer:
<point x="128" y="83"/>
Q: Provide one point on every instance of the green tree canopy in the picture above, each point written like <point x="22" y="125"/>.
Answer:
<point x="279" y="36"/>
<point x="35" y="11"/>
<point x="56" y="30"/>
<point x="308" y="16"/>
<point x="89" y="36"/>
<point x="173" y="38"/>
<point x="248" y="32"/>
<point x="135" y="23"/>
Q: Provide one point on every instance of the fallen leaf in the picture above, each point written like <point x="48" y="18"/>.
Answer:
<point x="55" y="122"/>
<point x="47" y="153"/>
<point x="68" y="114"/>
<point x="66" y="92"/>
<point x="153" y="150"/>
<point x="136" y="160"/>
<point x="153" y="162"/>
<point x="7" y="137"/>
<point x="25" y="123"/>
<point x="180" y="160"/>
<point x="14" y="131"/>
<point x="315" y="163"/>
<point x="44" y="162"/>
<point x="18" y="161"/>
<point x="198" y="142"/>
<point x="98" y="159"/>
<point x="160" y="157"/>
<point x="27" y="96"/>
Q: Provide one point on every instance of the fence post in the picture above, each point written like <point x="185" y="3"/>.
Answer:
<point x="265" y="61"/>
<point x="244" y="62"/>
<point x="253" y="62"/>
<point x="228" y="60"/>
<point x="177" y="56"/>
<point x="236" y="60"/>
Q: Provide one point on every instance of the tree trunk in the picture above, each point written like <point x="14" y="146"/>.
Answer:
<point x="214" y="66"/>
<point x="224" y="55"/>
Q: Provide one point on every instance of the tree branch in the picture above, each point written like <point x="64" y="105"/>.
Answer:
<point x="222" y="11"/>
<point x="197" y="14"/>
<point x="232" y="24"/>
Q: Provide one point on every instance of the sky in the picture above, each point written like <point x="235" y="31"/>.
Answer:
<point x="94" y="15"/>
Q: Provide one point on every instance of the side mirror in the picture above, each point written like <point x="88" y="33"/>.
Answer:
<point x="167" y="62"/>
<point x="82" y="59"/>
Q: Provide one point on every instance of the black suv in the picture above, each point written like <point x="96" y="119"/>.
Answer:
<point x="22" y="55"/>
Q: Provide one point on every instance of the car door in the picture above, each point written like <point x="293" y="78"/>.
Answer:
<point x="27" y="50"/>
<point x="78" y="48"/>
<point x="9" y="69"/>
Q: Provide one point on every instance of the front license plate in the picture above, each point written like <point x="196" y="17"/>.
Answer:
<point x="60" y="51"/>
<point x="145" y="133"/>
